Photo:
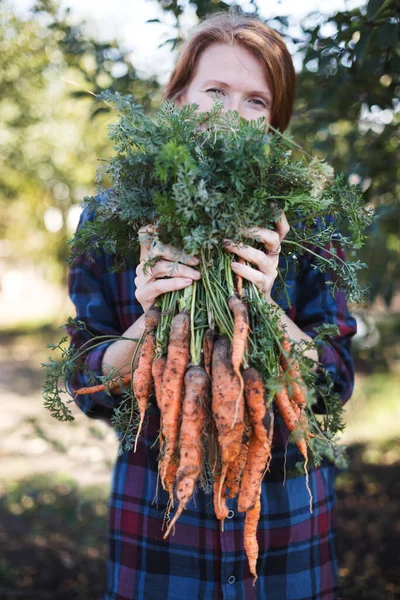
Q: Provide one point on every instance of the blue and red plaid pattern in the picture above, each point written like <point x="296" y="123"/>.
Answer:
<point x="297" y="558"/>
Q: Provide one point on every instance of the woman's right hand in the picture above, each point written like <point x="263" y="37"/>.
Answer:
<point x="167" y="275"/>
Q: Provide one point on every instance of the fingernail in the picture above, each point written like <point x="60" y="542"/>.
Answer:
<point x="187" y="280"/>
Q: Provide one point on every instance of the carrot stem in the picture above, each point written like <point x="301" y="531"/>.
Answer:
<point x="168" y="307"/>
<point x="82" y="349"/>
<point x="239" y="278"/>
<point x="335" y="256"/>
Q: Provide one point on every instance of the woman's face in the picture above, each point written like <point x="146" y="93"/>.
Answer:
<point x="234" y="75"/>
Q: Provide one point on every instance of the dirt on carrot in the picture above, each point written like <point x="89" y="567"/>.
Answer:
<point x="208" y="340"/>
<point x="142" y="381"/>
<point x="157" y="371"/>
<point x="197" y="390"/>
<point x="261" y="419"/>
<point x="239" y="340"/>
<point x="225" y="393"/>
<point x="220" y="507"/>
<point x="235" y="469"/>
<point x="297" y="387"/>
<point x="172" y="383"/>
<point x="253" y="473"/>
<point x="289" y="417"/>
<point x="250" y="536"/>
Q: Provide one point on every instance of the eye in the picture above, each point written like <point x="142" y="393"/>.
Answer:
<point x="214" y="90"/>
<point x="259" y="102"/>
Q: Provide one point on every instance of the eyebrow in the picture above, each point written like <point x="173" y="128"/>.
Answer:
<point x="265" y="94"/>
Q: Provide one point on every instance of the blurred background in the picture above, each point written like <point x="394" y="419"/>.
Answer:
<point x="54" y="55"/>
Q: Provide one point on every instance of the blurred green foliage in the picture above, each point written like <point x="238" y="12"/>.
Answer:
<point x="54" y="135"/>
<point x="348" y="110"/>
<point x="54" y="545"/>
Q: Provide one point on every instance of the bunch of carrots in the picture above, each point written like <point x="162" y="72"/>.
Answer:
<point x="207" y="390"/>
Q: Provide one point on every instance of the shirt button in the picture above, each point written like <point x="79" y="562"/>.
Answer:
<point x="231" y="579"/>
<point x="230" y="514"/>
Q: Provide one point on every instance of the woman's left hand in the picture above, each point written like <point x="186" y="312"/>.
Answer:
<point x="265" y="261"/>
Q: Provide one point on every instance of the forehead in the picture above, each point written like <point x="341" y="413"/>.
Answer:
<point x="232" y="64"/>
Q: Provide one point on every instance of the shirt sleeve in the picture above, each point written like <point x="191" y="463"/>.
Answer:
<point x="316" y="306"/>
<point x="90" y="293"/>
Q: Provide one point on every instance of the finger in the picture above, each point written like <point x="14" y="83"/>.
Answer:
<point x="151" y="247"/>
<point x="264" y="281"/>
<point x="145" y="231"/>
<point x="172" y="254"/>
<point x="257" y="257"/>
<point x="166" y="268"/>
<point x="146" y="235"/>
<point x="269" y="237"/>
<point x="282" y="226"/>
<point x="162" y="286"/>
<point x="146" y="293"/>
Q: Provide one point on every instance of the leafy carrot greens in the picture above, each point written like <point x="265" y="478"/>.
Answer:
<point x="201" y="184"/>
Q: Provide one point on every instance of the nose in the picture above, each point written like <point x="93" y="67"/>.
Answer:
<point x="233" y="103"/>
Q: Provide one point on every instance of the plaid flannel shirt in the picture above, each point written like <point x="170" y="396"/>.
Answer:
<point x="297" y="558"/>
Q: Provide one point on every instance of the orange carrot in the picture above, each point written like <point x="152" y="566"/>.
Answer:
<point x="208" y="340"/>
<point x="157" y="371"/>
<point x="151" y="319"/>
<point x="113" y="385"/>
<point x="296" y="381"/>
<point x="225" y="392"/>
<point x="292" y="422"/>
<point x="250" y="536"/>
<point x="190" y="439"/>
<point x="253" y="473"/>
<point x="241" y="329"/>
<point x="296" y="408"/>
<point x="172" y="383"/>
<point x="259" y="453"/>
<point x="235" y="469"/>
<point x="289" y="417"/>
<point x="261" y="418"/>
<point x="220" y="508"/>
<point x="169" y="478"/>
<point x="301" y="417"/>
<point x="142" y="379"/>
<point x="240" y="332"/>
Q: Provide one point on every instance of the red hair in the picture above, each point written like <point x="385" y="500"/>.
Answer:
<point x="264" y="43"/>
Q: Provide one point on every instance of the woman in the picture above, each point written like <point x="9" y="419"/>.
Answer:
<point x="249" y="67"/>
